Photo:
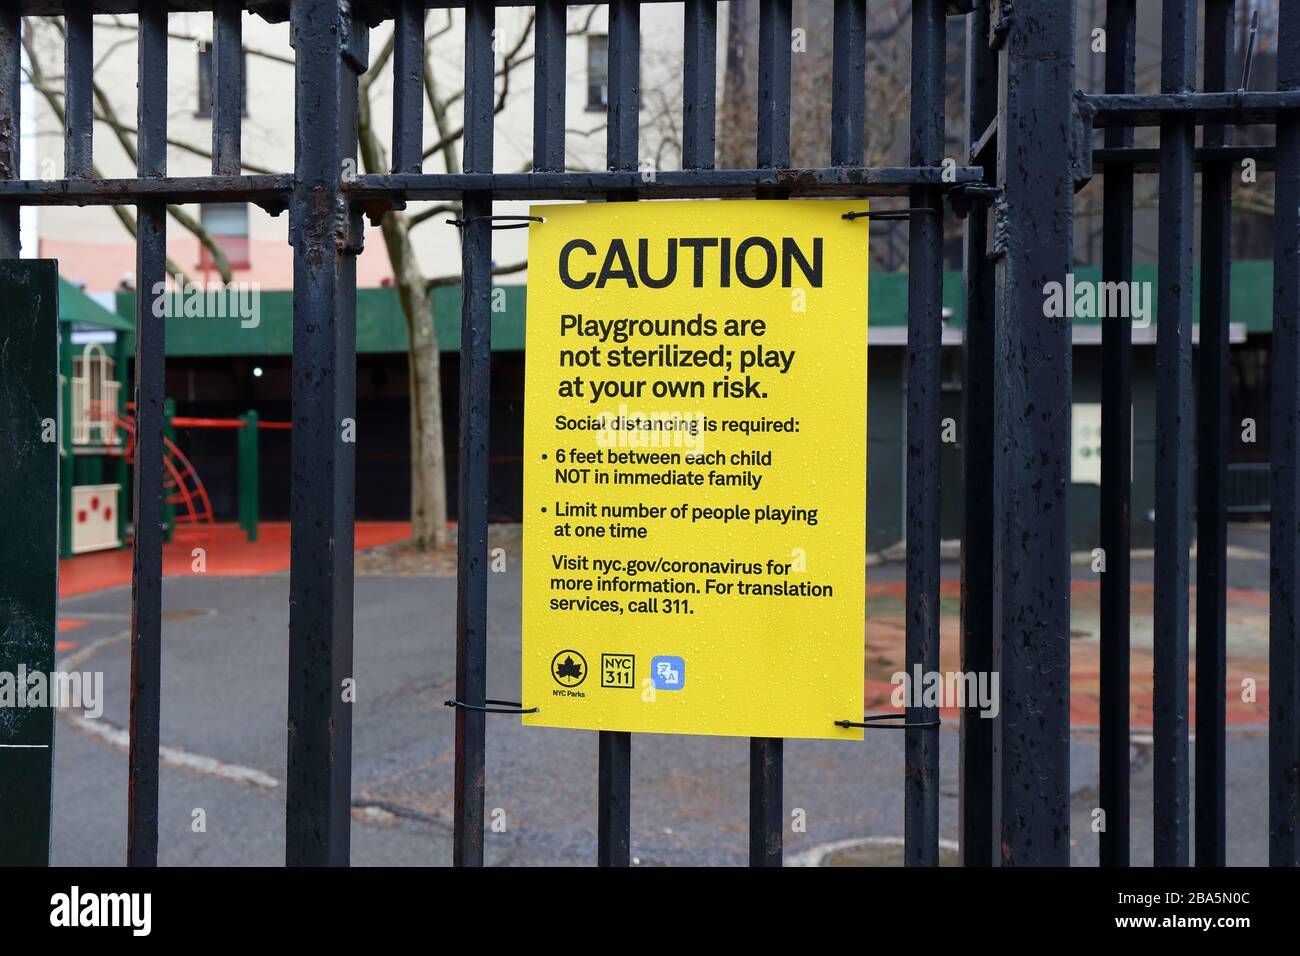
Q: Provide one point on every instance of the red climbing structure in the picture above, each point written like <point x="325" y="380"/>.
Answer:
<point x="181" y="484"/>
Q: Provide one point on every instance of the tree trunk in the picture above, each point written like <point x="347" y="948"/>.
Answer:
<point x="424" y="373"/>
<point x="428" y="460"/>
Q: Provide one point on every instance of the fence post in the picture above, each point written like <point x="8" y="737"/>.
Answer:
<point x="475" y="418"/>
<point x="1116" y="462"/>
<point x="614" y="748"/>
<point x="979" y="371"/>
<point x="1032" y="548"/>
<point x="152" y="421"/>
<point x="924" y="341"/>
<point x="1173" y="445"/>
<point x="1212" y="452"/>
<point x="767" y="754"/>
<point x="318" y="798"/>
<point x="249" y="463"/>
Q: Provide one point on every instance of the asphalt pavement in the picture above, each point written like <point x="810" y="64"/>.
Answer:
<point x="225" y="649"/>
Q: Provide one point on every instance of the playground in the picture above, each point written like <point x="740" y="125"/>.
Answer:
<point x="97" y="445"/>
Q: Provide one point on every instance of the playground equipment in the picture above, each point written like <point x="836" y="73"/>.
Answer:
<point x="249" y="427"/>
<point x="93" y="519"/>
<point x="181" y="484"/>
<point x="93" y="466"/>
<point x="97" y="446"/>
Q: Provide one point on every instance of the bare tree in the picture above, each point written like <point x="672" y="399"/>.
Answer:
<point x="888" y="90"/>
<point x="49" y="87"/>
<point x="42" y="38"/>
<point x="414" y="287"/>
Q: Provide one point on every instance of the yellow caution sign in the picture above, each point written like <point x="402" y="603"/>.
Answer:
<point x="695" y="467"/>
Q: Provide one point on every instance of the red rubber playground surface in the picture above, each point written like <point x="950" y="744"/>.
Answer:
<point x="227" y="553"/>
<point x="1247" y="651"/>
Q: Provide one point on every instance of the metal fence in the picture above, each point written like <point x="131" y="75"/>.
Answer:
<point x="1030" y="139"/>
<point x="1248" y="483"/>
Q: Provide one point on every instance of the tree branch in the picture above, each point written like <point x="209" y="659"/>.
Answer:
<point x="442" y="281"/>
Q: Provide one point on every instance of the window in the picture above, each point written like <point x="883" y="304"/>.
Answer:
<point x="205" y="82"/>
<point x="227" y="223"/>
<point x="597" y="72"/>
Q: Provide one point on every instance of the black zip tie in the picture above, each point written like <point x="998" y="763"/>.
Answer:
<point x="512" y="222"/>
<point x="494" y="707"/>
<point x="888" y="215"/>
<point x="872" y="722"/>
<point x="1250" y="53"/>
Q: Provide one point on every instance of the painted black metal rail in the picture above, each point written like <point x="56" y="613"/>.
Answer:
<point x="1117" y="439"/>
<point x="274" y="190"/>
<point x="979" y="372"/>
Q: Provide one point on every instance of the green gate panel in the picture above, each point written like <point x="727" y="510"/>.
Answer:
<point x="29" y="544"/>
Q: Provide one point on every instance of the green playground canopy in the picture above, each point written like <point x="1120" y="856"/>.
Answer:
<point x="77" y="308"/>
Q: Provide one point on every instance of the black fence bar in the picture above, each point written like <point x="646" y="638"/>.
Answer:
<point x="924" y="339"/>
<point x="699" y="89"/>
<point x="614" y="799"/>
<point x="268" y="189"/>
<point x="766" y="787"/>
<point x="1212" y="457"/>
<point x="78" y="90"/>
<point x="1173" y="445"/>
<point x="1284" y="609"/>
<point x="1147" y="159"/>
<point x="275" y="188"/>
<point x="774" y="26"/>
<point x="766" y="755"/>
<point x="979" y="371"/>
<point x="614" y="748"/>
<point x="475" y="406"/>
<point x="227" y="86"/>
<point x="1032" y="546"/>
<point x="849" y="83"/>
<point x="408" y="86"/>
<point x="766" y="810"/>
<point x="11" y="56"/>
<point x="623" y="114"/>
<point x="322" y="506"/>
<point x="151" y="108"/>
<point x="1116" y="460"/>
<point x="1152" y="109"/>
<point x="147" y="480"/>
<point x="549" y="85"/>
<point x="838" y="181"/>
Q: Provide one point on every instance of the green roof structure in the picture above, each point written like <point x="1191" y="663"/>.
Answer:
<point x="77" y="308"/>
